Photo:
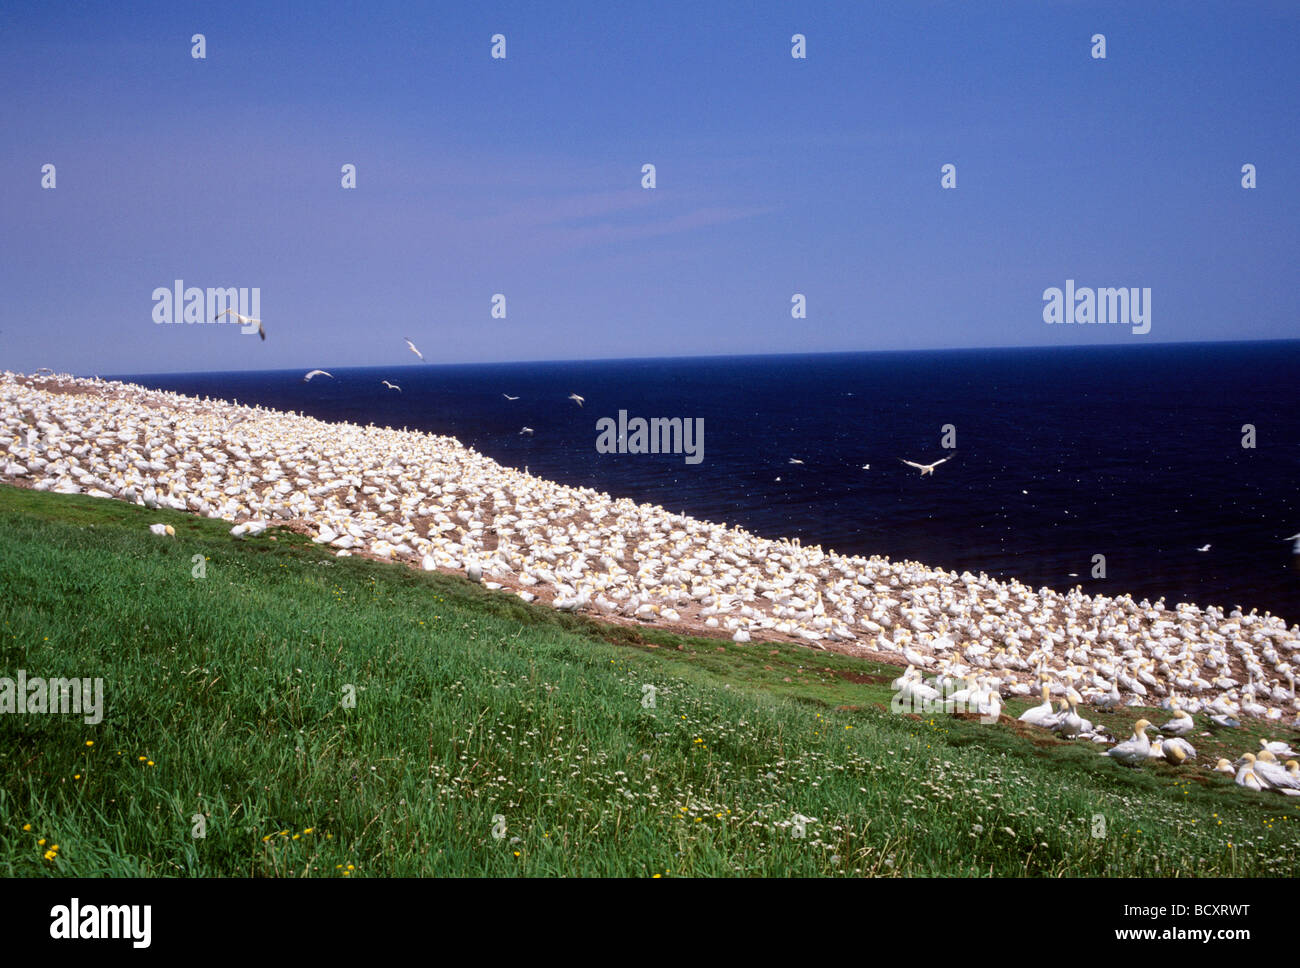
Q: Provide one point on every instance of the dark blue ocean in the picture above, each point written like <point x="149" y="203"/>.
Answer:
<point x="1134" y="453"/>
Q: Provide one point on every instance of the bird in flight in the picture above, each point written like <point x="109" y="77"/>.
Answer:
<point x="391" y="386"/>
<point x="576" y="399"/>
<point x="527" y="430"/>
<point x="509" y="397"/>
<point x="317" y="373"/>
<point x="413" y="349"/>
<point x="795" y="461"/>
<point x="927" y="468"/>
<point x="866" y="467"/>
<point x="245" y="321"/>
<point x="1203" y="548"/>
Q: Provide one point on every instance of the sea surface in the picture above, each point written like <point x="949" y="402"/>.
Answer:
<point x="1134" y="453"/>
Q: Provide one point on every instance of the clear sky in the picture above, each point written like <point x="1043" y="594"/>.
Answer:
<point x="522" y="176"/>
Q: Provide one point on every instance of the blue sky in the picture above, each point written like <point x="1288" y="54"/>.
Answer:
<point x="522" y="177"/>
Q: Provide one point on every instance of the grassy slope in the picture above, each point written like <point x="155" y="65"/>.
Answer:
<point x="471" y="704"/>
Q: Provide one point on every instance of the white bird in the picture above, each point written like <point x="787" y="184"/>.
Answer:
<point x="1176" y="750"/>
<point x="1203" y="548"/>
<point x="509" y="397"/>
<point x="1110" y="700"/>
<point x="576" y="399"/>
<point x="795" y="461"/>
<point x="527" y="430"/>
<point x="1277" y="749"/>
<point x="1246" y="775"/>
<point x="413" y="349"/>
<point x="928" y="468"/>
<point x="1180" y="725"/>
<point x="1036" y="715"/>
<point x="1295" y="548"/>
<point x="163" y="529"/>
<point x="1072" y="724"/>
<point x="244" y="321"/>
<point x="391" y="386"/>
<point x="1134" y="750"/>
<point x="1268" y="769"/>
<point x="866" y="467"/>
<point x="317" y="373"/>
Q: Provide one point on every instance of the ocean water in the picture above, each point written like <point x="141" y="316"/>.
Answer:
<point x="1134" y="453"/>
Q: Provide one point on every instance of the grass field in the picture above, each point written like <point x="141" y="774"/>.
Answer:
<point x="490" y="737"/>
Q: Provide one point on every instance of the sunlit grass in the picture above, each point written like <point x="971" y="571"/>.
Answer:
<point x="226" y="697"/>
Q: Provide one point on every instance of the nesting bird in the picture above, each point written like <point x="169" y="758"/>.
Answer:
<point x="1134" y="750"/>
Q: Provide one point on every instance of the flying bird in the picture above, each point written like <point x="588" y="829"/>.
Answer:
<point x="317" y="373"/>
<point x="244" y="321"/>
<point x="527" y="430"/>
<point x="795" y="461"/>
<point x="928" y="468"/>
<point x="509" y="397"/>
<point x="576" y="399"/>
<point x="1295" y="548"/>
<point x="391" y="386"/>
<point x="1203" y="548"/>
<point x="866" y="467"/>
<point x="413" y="349"/>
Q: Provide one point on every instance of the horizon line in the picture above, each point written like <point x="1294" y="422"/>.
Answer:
<point x="727" y="356"/>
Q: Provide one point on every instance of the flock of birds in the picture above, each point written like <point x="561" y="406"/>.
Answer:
<point x="312" y="374"/>
<point x="979" y="694"/>
<point x="1262" y="771"/>
<point x="434" y="503"/>
<point x="529" y="432"/>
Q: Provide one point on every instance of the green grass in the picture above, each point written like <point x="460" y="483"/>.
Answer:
<point x="472" y="705"/>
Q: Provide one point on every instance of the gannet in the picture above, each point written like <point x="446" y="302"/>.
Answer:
<point x="163" y="529"/>
<point x="1176" y="750"/>
<point x="509" y="397"/>
<point x="1267" y="768"/>
<point x="1036" y="715"/>
<point x="1295" y="548"/>
<point x="1180" y="725"/>
<point x="1109" y="700"/>
<point x="1246" y="774"/>
<point x="1247" y="777"/>
<point x="391" y="386"/>
<point x="1203" y="548"/>
<point x="928" y="468"/>
<point x="313" y="373"/>
<point x="1071" y="724"/>
<point x="527" y="430"/>
<point x="576" y="399"/>
<point x="244" y="321"/>
<point x="413" y="349"/>
<point x="1277" y="749"/>
<point x="795" y="461"/>
<point x="1133" y="750"/>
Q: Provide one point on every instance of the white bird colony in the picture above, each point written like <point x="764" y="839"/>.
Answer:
<point x="429" y="500"/>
